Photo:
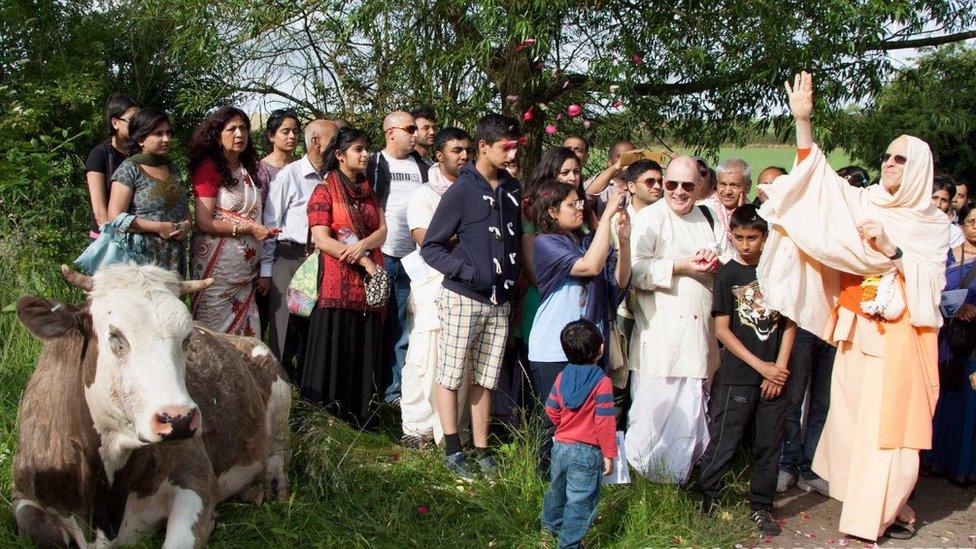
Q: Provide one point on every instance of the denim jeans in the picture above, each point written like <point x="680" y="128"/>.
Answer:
<point x="543" y="377"/>
<point x="811" y="363"/>
<point x="574" y="491"/>
<point x="396" y="332"/>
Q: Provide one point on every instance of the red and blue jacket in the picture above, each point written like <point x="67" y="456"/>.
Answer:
<point x="580" y="405"/>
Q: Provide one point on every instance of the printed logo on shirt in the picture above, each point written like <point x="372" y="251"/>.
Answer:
<point x="750" y="304"/>
<point x="401" y="176"/>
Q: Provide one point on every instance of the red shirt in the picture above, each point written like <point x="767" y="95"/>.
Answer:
<point x="594" y="423"/>
<point x="341" y="284"/>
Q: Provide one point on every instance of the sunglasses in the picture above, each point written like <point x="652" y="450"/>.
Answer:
<point x="409" y="129"/>
<point x="652" y="182"/>
<point x="899" y="159"/>
<point x="514" y="143"/>
<point x="686" y="186"/>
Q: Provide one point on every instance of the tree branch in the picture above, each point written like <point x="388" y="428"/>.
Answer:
<point x="922" y="42"/>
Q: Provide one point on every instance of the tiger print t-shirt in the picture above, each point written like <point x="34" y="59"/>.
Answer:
<point x="736" y="294"/>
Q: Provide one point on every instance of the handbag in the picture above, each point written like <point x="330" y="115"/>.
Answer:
<point x="113" y="245"/>
<point x="303" y="290"/>
<point x="377" y="288"/>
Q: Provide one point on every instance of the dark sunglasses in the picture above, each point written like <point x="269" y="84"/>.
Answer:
<point x="409" y="129"/>
<point x="899" y="159"/>
<point x="686" y="186"/>
<point x="652" y="182"/>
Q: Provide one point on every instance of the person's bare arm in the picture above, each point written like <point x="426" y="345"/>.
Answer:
<point x="206" y="223"/>
<point x="768" y="370"/>
<point x="119" y="201"/>
<point x="96" y="193"/>
<point x="801" y="105"/>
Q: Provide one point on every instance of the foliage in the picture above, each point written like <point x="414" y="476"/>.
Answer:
<point x="934" y="100"/>
<point x="696" y="70"/>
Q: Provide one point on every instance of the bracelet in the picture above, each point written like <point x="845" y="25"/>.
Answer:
<point x="237" y="227"/>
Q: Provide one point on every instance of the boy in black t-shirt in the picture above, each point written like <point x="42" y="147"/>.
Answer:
<point x="746" y="389"/>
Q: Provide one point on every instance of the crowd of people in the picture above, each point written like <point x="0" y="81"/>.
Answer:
<point x="650" y="297"/>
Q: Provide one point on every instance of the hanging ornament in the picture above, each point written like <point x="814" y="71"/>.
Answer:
<point x="528" y="42"/>
<point x="574" y="110"/>
<point x="528" y="115"/>
<point x="551" y="129"/>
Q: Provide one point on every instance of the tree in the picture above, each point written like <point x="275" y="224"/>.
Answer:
<point x="695" y="70"/>
<point x="935" y="100"/>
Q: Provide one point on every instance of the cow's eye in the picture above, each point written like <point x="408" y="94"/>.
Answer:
<point x="117" y="341"/>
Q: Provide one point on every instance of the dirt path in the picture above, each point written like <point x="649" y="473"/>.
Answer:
<point x="946" y="513"/>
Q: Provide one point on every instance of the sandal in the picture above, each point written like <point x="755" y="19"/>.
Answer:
<point x="901" y="530"/>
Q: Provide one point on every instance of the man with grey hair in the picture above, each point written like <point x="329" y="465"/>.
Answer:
<point x="286" y="208"/>
<point x="734" y="181"/>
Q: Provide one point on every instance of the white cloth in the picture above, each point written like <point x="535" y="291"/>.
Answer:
<point x="625" y="305"/>
<point x="674" y="333"/>
<point x="404" y="180"/>
<point x="287" y="207"/>
<point x="813" y="215"/>
<point x="956" y="238"/>
<point x="722" y="215"/>
<point x="667" y="428"/>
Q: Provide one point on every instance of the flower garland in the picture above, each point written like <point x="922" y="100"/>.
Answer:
<point x="880" y="296"/>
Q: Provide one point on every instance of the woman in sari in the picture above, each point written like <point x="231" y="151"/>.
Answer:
<point x="227" y="246"/>
<point x="953" y="452"/>
<point x="149" y="188"/>
<point x="865" y="268"/>
<point x="345" y="334"/>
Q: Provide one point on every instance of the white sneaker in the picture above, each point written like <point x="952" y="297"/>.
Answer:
<point x="784" y="481"/>
<point x="816" y="484"/>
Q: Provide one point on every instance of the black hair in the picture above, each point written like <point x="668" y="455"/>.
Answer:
<point x="964" y="212"/>
<point x="449" y="133"/>
<point x="144" y="122"/>
<point x="494" y="127"/>
<point x="942" y="182"/>
<point x="116" y="108"/>
<point x="581" y="341"/>
<point x="275" y="120"/>
<point x="550" y="164"/>
<point x="424" y="112"/>
<point x="343" y="139"/>
<point x="747" y="217"/>
<point x="856" y="176"/>
<point x="637" y="168"/>
<point x="548" y="194"/>
<point x="713" y="177"/>
<point x="205" y="145"/>
<point x="586" y="142"/>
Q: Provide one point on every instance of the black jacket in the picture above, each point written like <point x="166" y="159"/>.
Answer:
<point x="485" y="263"/>
<point x="378" y="173"/>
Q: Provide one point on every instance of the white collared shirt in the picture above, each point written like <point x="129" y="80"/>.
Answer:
<point x="287" y="207"/>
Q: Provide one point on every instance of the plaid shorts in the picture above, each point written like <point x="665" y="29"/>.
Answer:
<point x="473" y="336"/>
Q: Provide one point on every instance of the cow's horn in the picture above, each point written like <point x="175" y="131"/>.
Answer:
<point x="76" y="279"/>
<point x="194" y="286"/>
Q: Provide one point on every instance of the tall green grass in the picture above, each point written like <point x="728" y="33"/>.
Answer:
<point x="355" y="489"/>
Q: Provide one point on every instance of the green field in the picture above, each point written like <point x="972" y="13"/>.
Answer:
<point x="761" y="157"/>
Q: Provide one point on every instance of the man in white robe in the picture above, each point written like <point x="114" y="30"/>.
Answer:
<point x="677" y="247"/>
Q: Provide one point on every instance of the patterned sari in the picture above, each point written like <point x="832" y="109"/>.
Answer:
<point x="228" y="306"/>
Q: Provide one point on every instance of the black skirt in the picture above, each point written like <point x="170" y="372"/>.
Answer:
<point x="344" y="353"/>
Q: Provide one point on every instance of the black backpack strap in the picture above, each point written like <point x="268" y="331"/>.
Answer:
<point x="708" y="215"/>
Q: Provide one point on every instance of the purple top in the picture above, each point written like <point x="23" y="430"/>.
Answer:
<point x="266" y="172"/>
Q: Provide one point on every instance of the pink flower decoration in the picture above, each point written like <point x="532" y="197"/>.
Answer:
<point x="423" y="510"/>
<point x="525" y="44"/>
<point x="574" y="110"/>
<point x="617" y="104"/>
<point x="638" y="60"/>
<point x="528" y="115"/>
<point x="551" y="129"/>
<point x="512" y="98"/>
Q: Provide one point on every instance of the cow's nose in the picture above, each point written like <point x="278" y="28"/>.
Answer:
<point x="176" y="422"/>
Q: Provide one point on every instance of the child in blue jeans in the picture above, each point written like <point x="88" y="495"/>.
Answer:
<point x="580" y="405"/>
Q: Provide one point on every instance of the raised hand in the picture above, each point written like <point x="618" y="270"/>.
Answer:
<point x="801" y="96"/>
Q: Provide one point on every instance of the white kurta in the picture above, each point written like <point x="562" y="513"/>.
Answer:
<point x="673" y="349"/>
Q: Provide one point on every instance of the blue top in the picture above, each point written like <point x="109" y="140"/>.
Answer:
<point x="485" y="263"/>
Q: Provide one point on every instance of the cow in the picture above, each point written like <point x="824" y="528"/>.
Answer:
<point x="135" y="417"/>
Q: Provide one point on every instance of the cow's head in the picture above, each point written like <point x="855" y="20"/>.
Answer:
<point x="140" y="330"/>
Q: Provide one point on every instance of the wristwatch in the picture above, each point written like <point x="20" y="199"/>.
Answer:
<point x="897" y="255"/>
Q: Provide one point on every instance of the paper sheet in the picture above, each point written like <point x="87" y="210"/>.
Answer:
<point x="951" y="301"/>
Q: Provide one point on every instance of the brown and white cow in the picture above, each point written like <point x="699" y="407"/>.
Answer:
<point x="135" y="418"/>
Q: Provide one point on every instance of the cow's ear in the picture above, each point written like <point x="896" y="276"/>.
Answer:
<point x="47" y="318"/>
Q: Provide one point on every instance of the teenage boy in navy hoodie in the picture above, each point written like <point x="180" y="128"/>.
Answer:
<point x="482" y="212"/>
<point x="580" y="405"/>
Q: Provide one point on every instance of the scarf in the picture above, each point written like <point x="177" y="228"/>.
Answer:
<point x="813" y="215"/>
<point x="437" y="181"/>
<point x="153" y="160"/>
<point x="353" y="194"/>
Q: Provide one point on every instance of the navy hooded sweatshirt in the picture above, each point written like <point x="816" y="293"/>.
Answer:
<point x="485" y="263"/>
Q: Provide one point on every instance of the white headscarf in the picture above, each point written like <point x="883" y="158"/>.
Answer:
<point x="814" y="215"/>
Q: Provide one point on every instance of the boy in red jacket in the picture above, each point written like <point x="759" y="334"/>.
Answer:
<point x="580" y="405"/>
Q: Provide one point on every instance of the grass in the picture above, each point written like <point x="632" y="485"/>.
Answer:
<point x="355" y="489"/>
<point x="761" y="157"/>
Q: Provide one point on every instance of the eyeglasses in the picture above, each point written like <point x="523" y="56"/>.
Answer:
<point x="971" y="223"/>
<point x="578" y="204"/>
<point x="514" y="143"/>
<point x="409" y="129"/>
<point x="686" y="186"/>
<point x="899" y="159"/>
<point x="652" y="182"/>
<point x="124" y="119"/>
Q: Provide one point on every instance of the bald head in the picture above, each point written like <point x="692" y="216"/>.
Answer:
<point x="619" y="148"/>
<point x="318" y="134"/>
<point x="399" y="139"/>
<point x="682" y="171"/>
